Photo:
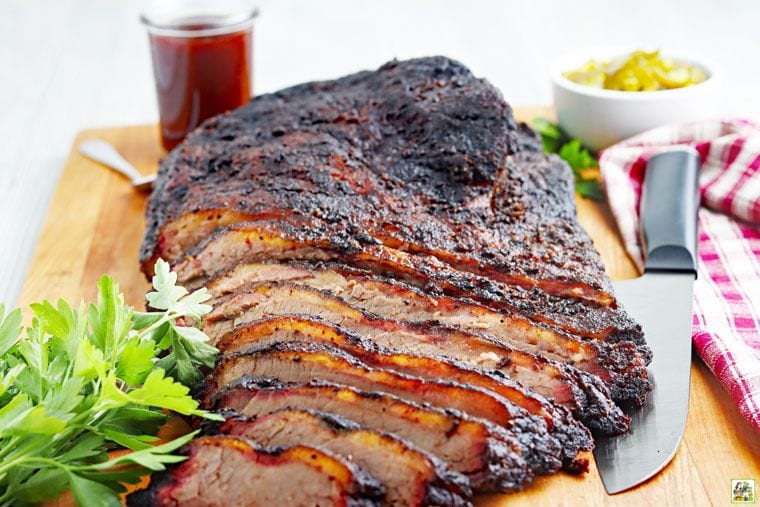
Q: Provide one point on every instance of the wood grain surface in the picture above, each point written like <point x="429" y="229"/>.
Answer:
<point x="95" y="225"/>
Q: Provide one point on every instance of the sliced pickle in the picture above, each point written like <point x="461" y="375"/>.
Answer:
<point x="639" y="71"/>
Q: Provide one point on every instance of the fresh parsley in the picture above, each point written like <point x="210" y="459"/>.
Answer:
<point x="82" y="381"/>
<point x="580" y="159"/>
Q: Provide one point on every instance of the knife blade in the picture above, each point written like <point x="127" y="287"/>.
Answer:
<point x="661" y="301"/>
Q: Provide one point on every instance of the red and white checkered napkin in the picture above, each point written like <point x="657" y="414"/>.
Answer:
<point x="727" y="292"/>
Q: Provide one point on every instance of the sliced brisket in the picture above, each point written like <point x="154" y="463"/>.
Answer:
<point x="411" y="477"/>
<point x="222" y="470"/>
<point x="271" y="239"/>
<point x="472" y="447"/>
<point x="393" y="249"/>
<point x="584" y="394"/>
<point x="567" y="314"/>
<point x="573" y="437"/>
<point x="618" y="365"/>
<point x="302" y="362"/>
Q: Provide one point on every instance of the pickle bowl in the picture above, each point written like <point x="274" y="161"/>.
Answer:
<point x="601" y="117"/>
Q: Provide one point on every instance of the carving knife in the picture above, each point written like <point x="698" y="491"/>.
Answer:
<point x="661" y="301"/>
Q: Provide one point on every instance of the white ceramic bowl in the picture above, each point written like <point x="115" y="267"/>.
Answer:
<point x="600" y="118"/>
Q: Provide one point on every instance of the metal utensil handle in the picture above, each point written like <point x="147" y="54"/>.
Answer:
<point x="668" y="211"/>
<point x="106" y="154"/>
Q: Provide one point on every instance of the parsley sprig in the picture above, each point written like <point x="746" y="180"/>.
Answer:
<point x="82" y="381"/>
<point x="580" y="159"/>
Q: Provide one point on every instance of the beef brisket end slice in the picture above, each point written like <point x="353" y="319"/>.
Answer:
<point x="618" y="365"/>
<point x="471" y="447"/>
<point x="302" y="362"/>
<point x="573" y="437"/>
<point x="223" y="470"/>
<point x="411" y="477"/>
<point x="412" y="156"/>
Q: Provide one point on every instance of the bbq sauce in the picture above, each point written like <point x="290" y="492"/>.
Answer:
<point x="198" y="77"/>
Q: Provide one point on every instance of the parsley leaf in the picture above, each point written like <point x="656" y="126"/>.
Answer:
<point x="580" y="159"/>
<point x="576" y="155"/>
<point x="550" y="134"/>
<point x="188" y="347"/>
<point x="173" y="298"/>
<point x="167" y="293"/>
<point x="10" y="329"/>
<point x="79" y="382"/>
<point x="164" y="392"/>
<point x="89" y="492"/>
<point x="590" y="188"/>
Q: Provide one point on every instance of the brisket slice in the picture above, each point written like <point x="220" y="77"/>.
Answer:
<point x="223" y="470"/>
<point x="618" y="365"/>
<point x="580" y="392"/>
<point x="587" y="323"/>
<point x="567" y="314"/>
<point x="472" y="447"/>
<point x="284" y="240"/>
<point x="573" y="437"/>
<point x="418" y="155"/>
<point x="415" y="337"/>
<point x="411" y="477"/>
<point x="301" y="362"/>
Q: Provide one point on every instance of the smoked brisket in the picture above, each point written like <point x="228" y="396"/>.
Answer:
<point x="224" y="470"/>
<point x="412" y="478"/>
<point x="419" y="156"/>
<point x="472" y="447"/>
<point x="397" y="271"/>
<point x="573" y="437"/>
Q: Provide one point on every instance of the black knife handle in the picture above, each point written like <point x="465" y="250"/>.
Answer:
<point x="669" y="202"/>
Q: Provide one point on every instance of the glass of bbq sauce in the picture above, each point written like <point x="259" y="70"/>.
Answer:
<point x="202" y="60"/>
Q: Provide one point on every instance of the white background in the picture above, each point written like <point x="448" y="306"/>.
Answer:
<point x="66" y="65"/>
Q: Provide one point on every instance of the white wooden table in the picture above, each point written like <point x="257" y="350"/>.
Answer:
<point x="66" y="65"/>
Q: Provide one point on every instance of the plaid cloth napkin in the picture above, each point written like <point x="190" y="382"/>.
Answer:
<point x="727" y="292"/>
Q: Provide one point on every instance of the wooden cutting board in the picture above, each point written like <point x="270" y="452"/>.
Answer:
<point x="95" y="225"/>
